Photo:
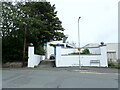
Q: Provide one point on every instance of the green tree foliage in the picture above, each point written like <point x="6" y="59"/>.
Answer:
<point x="40" y="20"/>
<point x="12" y="41"/>
<point x="40" y="50"/>
<point x="85" y="51"/>
<point x="44" y="23"/>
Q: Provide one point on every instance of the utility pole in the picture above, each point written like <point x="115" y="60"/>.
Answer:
<point x="24" y="47"/>
<point x="79" y="42"/>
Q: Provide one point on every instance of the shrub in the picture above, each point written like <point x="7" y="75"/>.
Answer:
<point x="85" y="51"/>
<point x="36" y="66"/>
<point x="52" y="45"/>
<point x="74" y="53"/>
<point x="40" y="50"/>
<point x="113" y="65"/>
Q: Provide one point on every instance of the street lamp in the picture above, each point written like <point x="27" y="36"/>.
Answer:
<point x="79" y="42"/>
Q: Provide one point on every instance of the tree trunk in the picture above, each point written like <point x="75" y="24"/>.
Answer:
<point x="24" y="48"/>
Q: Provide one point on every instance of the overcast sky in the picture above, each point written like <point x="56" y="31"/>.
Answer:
<point x="99" y="20"/>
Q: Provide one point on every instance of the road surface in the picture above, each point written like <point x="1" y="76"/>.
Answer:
<point x="58" y="78"/>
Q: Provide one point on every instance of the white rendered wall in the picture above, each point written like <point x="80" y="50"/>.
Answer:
<point x="95" y="50"/>
<point x="73" y="50"/>
<point x="50" y="50"/>
<point x="30" y="56"/>
<point x="36" y="60"/>
<point x="33" y="58"/>
<point x="103" y="56"/>
<point x="113" y="47"/>
<point x="68" y="50"/>
<point x="58" y="57"/>
<point x="73" y="60"/>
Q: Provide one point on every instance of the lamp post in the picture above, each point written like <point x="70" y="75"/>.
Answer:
<point x="79" y="42"/>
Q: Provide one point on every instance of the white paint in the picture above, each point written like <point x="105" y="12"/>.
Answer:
<point x="68" y="50"/>
<point x="75" y="50"/>
<point x="103" y="56"/>
<point x="58" y="56"/>
<point x="33" y="58"/>
<point x="73" y="60"/>
<point x="94" y="50"/>
<point x="112" y="50"/>
<point x="50" y="49"/>
<point x="42" y="57"/>
<point x="30" y="56"/>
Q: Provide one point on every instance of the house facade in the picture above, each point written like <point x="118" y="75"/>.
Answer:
<point x="112" y="52"/>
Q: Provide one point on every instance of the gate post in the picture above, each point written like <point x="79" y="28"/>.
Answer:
<point x="104" y="60"/>
<point x="58" y="56"/>
<point x="30" y="55"/>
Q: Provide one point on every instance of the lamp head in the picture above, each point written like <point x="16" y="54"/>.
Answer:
<point x="79" y="17"/>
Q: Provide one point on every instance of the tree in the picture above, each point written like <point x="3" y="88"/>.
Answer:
<point x="12" y="41"/>
<point x="45" y="25"/>
<point x="38" y="19"/>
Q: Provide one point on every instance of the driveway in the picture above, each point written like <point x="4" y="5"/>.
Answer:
<point x="60" y="78"/>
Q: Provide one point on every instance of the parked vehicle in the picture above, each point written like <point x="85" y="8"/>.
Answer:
<point x="52" y="56"/>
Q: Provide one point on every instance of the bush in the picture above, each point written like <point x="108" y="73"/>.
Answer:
<point x="52" y="45"/>
<point x="113" y="65"/>
<point x="36" y="66"/>
<point x="40" y="50"/>
<point x="75" y="53"/>
<point x="12" y="49"/>
<point x="85" y="51"/>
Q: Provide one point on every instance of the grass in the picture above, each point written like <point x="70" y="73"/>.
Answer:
<point x="115" y="66"/>
<point x="36" y="66"/>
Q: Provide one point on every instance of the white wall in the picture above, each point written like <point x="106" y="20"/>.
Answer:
<point x="95" y="50"/>
<point x="112" y="47"/>
<point x="50" y="50"/>
<point x="72" y="50"/>
<point x="73" y="60"/>
<point x="68" y="50"/>
<point x="33" y="58"/>
<point x="103" y="56"/>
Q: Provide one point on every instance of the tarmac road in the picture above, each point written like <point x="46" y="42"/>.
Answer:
<point x="58" y="78"/>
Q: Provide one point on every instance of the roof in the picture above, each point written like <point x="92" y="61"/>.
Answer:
<point x="57" y="43"/>
<point x="93" y="45"/>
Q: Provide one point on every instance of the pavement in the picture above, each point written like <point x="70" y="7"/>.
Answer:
<point x="85" y="69"/>
<point x="48" y="77"/>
